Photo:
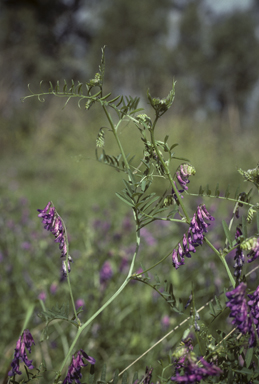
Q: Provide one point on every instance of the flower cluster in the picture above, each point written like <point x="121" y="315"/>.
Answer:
<point x="182" y="175"/>
<point x="195" y="236"/>
<point x="252" y="245"/>
<point x="239" y="256"/>
<point x="245" y="313"/>
<point x="193" y="373"/>
<point x="53" y="223"/>
<point x="24" y="341"/>
<point x="74" y="370"/>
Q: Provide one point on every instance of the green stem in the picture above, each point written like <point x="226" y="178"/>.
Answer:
<point x="223" y="260"/>
<point x="168" y="174"/>
<point x="28" y="316"/>
<point x="114" y="130"/>
<point x="82" y="327"/>
<point x="220" y="197"/>
<point x="66" y="263"/>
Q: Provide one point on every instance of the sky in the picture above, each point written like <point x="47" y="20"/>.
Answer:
<point x="228" y="5"/>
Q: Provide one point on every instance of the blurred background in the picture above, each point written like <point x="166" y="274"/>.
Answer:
<point x="48" y="153"/>
<point x="210" y="49"/>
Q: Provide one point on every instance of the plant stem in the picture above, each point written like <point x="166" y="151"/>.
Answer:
<point x="222" y="258"/>
<point x="168" y="174"/>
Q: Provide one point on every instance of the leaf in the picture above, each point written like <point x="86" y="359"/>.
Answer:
<point x="115" y="377"/>
<point x="173" y="146"/>
<point x="212" y="309"/>
<point x="218" y="303"/>
<point x="208" y="190"/>
<point x="236" y="193"/>
<point x="91" y="379"/>
<point x="124" y="378"/>
<point x="227" y="232"/>
<point x="124" y="199"/>
<point x="57" y="86"/>
<point x="201" y="191"/>
<point x="217" y="190"/>
<point x="128" y="187"/>
<point x="227" y="193"/>
<point x="182" y="158"/>
<point x="57" y="312"/>
<point x="103" y="375"/>
<point x="135" y="377"/>
<point x="249" y="356"/>
<point x="150" y="202"/>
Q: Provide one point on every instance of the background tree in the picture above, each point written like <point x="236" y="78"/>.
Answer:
<point x="135" y="33"/>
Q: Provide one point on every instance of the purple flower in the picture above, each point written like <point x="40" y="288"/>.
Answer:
<point x="245" y="313"/>
<point x="183" y="173"/>
<point x="253" y="304"/>
<point x="239" y="308"/>
<point x="80" y="303"/>
<point x="42" y="296"/>
<point x="25" y="340"/>
<point x="193" y="373"/>
<point x="195" y="236"/>
<point x="252" y="245"/>
<point x="53" y="223"/>
<point x="106" y="272"/>
<point x="74" y="370"/>
<point x="175" y="260"/>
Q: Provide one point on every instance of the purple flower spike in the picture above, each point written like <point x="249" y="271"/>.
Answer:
<point x="74" y="370"/>
<point x="245" y="312"/>
<point x="206" y="214"/>
<point x="240" y="311"/>
<point x="253" y="304"/>
<point x="175" y="261"/>
<point x="53" y="223"/>
<point x="194" y="373"/>
<point x="182" y="175"/>
<point x="24" y="341"/>
<point x="195" y="235"/>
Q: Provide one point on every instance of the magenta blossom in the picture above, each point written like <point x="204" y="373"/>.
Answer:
<point x="80" y="303"/>
<point x="53" y="223"/>
<point x="74" y="370"/>
<point x="245" y="312"/>
<point x="195" y="235"/>
<point x="42" y="296"/>
<point x="24" y="341"/>
<point x="193" y="373"/>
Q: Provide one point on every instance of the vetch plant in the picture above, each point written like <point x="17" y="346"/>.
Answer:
<point x="203" y="355"/>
